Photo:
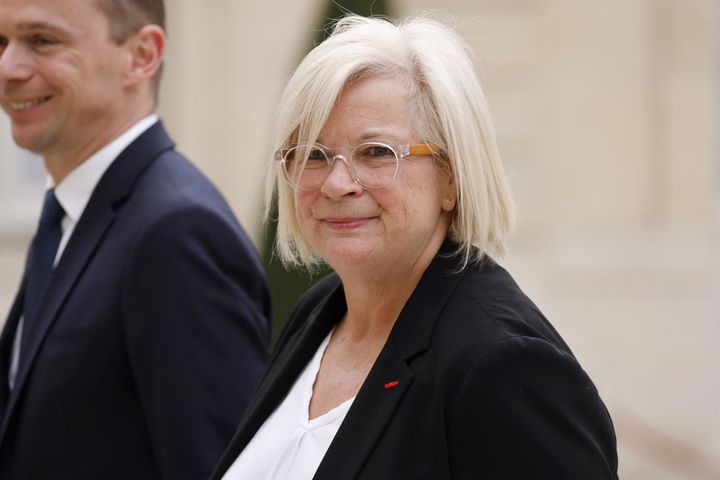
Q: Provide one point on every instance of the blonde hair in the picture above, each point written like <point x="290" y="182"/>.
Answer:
<point x="447" y="106"/>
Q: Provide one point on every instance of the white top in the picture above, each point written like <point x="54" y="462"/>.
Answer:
<point x="73" y="193"/>
<point x="290" y="446"/>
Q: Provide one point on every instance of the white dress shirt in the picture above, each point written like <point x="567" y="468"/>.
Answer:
<point x="73" y="193"/>
<point x="290" y="446"/>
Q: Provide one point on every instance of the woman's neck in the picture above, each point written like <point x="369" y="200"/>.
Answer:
<point x="376" y="298"/>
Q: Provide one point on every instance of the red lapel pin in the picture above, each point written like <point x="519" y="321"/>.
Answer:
<point x="392" y="384"/>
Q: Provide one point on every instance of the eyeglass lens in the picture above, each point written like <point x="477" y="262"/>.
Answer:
<point x="373" y="165"/>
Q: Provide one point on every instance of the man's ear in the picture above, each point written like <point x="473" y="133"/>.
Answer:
<point x="146" y="50"/>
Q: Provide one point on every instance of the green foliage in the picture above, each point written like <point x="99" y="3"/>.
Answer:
<point x="339" y="8"/>
<point x="288" y="285"/>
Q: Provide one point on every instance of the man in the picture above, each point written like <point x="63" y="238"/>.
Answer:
<point x="133" y="356"/>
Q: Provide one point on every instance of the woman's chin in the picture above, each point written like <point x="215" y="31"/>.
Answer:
<point x="345" y="255"/>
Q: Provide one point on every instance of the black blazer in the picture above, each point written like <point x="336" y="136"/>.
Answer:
<point x="484" y="388"/>
<point x="151" y="336"/>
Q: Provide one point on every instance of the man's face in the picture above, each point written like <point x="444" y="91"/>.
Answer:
<point x="61" y="75"/>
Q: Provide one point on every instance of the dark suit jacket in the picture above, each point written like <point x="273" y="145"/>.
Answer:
<point x="486" y="388"/>
<point x="150" y="338"/>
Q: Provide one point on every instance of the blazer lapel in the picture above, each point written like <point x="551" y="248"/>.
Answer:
<point x="391" y="375"/>
<point x="372" y="409"/>
<point x="6" y="343"/>
<point x="115" y="185"/>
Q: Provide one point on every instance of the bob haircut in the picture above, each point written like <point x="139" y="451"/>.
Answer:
<point x="448" y="109"/>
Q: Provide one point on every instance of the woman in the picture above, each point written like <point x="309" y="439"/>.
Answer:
<point x="419" y="357"/>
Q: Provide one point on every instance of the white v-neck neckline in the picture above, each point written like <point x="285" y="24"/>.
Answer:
<point x="309" y="376"/>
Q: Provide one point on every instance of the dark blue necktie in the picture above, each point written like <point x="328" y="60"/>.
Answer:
<point x="41" y="260"/>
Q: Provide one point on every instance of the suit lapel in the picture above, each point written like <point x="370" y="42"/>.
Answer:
<point x="115" y="185"/>
<point x="6" y="343"/>
<point x="391" y="376"/>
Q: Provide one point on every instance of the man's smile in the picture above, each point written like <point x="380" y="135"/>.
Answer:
<point x="18" y="106"/>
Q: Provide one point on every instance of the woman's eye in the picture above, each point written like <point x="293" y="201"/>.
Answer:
<point x="379" y="151"/>
<point x="316" y="154"/>
<point x="374" y="151"/>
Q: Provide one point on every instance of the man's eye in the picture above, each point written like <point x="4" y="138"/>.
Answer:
<point x="42" y="40"/>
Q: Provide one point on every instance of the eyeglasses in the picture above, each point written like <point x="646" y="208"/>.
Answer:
<point x="371" y="164"/>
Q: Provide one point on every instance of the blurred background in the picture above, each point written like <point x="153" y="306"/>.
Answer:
<point x="608" y="117"/>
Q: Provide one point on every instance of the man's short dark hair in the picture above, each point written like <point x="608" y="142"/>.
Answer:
<point x="127" y="17"/>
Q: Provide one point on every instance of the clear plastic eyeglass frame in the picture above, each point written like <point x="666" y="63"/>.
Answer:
<point x="375" y="169"/>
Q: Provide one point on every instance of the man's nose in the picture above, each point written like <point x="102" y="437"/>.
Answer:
<point x="14" y="63"/>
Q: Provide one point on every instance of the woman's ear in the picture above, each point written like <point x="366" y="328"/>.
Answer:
<point x="146" y="50"/>
<point x="450" y="198"/>
<point x="448" y="203"/>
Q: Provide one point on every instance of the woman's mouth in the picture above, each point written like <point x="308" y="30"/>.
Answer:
<point x="345" y="223"/>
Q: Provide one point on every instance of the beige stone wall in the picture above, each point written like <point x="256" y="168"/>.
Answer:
<point x="603" y="109"/>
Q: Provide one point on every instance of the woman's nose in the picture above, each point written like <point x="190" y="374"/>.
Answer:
<point x="340" y="181"/>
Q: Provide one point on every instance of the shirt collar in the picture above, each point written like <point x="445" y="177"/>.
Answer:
<point x="74" y="191"/>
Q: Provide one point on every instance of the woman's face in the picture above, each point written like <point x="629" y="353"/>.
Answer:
<point x="397" y="226"/>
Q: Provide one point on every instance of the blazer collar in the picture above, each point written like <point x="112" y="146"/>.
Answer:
<point x="112" y="189"/>
<point x="385" y="385"/>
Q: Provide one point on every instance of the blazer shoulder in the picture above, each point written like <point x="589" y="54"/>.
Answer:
<point x="506" y="370"/>
<point x="490" y="305"/>
<point x="173" y="211"/>
<point x="172" y="179"/>
<point x="171" y="188"/>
